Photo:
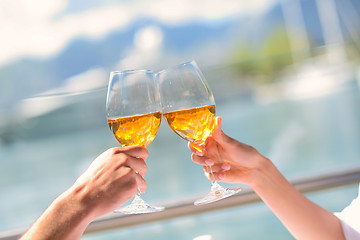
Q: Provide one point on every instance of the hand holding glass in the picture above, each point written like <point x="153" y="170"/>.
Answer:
<point x="133" y="114"/>
<point x="188" y="105"/>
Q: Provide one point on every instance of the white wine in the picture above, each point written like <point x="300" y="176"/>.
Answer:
<point x="194" y="124"/>
<point x="136" y="130"/>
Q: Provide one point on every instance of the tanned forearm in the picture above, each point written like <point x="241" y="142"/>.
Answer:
<point x="65" y="219"/>
<point x="112" y="179"/>
<point x="303" y="218"/>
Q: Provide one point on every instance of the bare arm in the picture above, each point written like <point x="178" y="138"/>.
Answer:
<point x="109" y="182"/>
<point x="235" y="162"/>
<point x="303" y="218"/>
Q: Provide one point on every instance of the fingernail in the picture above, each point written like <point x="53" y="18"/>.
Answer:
<point x="199" y="153"/>
<point x="221" y="176"/>
<point x="225" y="166"/>
<point x="209" y="162"/>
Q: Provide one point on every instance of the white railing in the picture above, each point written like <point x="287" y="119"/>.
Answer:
<point x="186" y="207"/>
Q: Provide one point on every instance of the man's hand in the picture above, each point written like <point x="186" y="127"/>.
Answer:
<point x="113" y="178"/>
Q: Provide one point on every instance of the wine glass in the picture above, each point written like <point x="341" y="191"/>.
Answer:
<point x="133" y="114"/>
<point x="188" y="105"/>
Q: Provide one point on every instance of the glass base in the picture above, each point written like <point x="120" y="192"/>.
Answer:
<point x="139" y="206"/>
<point x="217" y="193"/>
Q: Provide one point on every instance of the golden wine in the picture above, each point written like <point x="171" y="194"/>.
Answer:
<point x="194" y="124"/>
<point x="136" y="130"/>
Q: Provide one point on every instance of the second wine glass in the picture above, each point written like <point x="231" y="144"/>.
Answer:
<point x="133" y="114"/>
<point x="188" y="105"/>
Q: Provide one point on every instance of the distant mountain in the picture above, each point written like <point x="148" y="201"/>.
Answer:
<point x="27" y="77"/>
<point x="208" y="43"/>
<point x="200" y="40"/>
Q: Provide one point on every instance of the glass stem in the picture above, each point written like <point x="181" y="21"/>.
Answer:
<point x="138" y="193"/>
<point x="212" y="174"/>
<point x="202" y="149"/>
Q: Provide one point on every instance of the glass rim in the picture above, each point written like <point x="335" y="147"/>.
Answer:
<point x="192" y="62"/>
<point x="131" y="71"/>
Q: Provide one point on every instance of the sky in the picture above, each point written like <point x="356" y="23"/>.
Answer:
<point x="47" y="31"/>
<point x="42" y="28"/>
<point x="36" y="34"/>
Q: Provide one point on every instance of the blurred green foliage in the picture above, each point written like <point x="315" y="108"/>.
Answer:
<point x="264" y="61"/>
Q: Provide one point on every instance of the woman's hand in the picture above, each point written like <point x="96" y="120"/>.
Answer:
<point x="236" y="162"/>
<point x="230" y="160"/>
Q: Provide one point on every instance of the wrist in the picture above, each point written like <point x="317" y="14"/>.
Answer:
<point x="74" y="201"/>
<point x="269" y="182"/>
<point x="72" y="212"/>
<point x="65" y="219"/>
<point x="263" y="174"/>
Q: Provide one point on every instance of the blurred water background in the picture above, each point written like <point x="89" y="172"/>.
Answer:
<point x="285" y="76"/>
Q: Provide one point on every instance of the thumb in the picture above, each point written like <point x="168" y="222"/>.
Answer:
<point x="218" y="133"/>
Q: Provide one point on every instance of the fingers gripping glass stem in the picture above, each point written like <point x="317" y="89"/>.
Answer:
<point x="139" y="206"/>
<point x="188" y="106"/>
<point x="133" y="114"/>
